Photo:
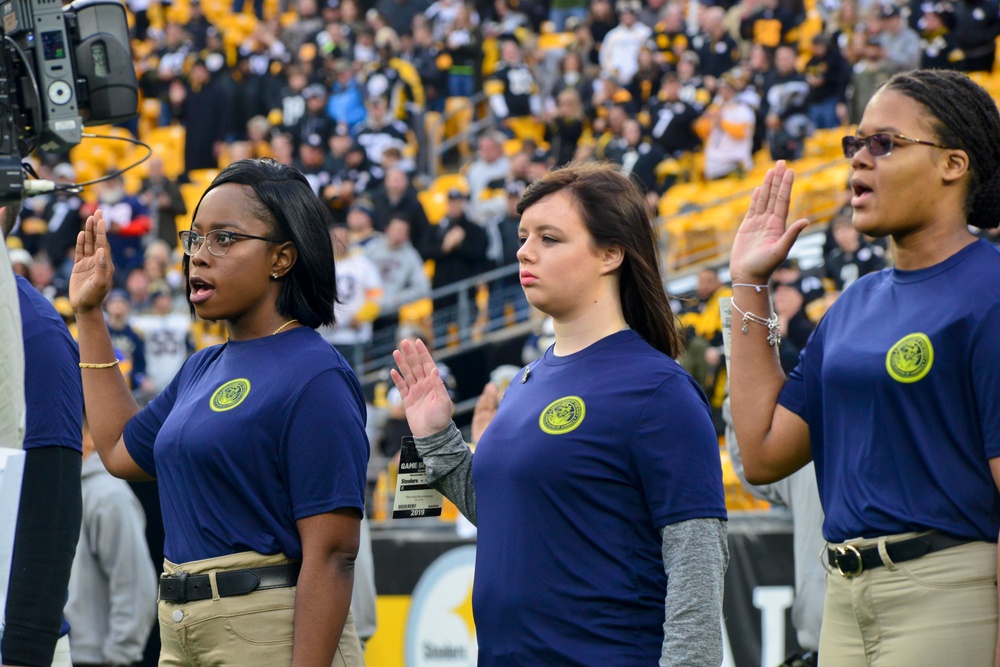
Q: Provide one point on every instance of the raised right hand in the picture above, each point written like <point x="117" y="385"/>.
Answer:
<point x="425" y="399"/>
<point x="762" y="242"/>
<point x="93" y="270"/>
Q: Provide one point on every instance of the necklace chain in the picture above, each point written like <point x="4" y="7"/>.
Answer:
<point x="283" y="326"/>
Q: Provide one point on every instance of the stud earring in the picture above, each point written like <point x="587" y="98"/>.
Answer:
<point x="274" y="275"/>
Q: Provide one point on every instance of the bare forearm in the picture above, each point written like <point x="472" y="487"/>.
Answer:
<point x="755" y="380"/>
<point x="106" y="396"/>
<point x="322" y="600"/>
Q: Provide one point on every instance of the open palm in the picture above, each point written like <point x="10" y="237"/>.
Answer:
<point x="93" y="270"/>
<point x="425" y="399"/>
<point x="762" y="242"/>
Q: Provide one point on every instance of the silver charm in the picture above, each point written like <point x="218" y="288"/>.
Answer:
<point x="773" y="331"/>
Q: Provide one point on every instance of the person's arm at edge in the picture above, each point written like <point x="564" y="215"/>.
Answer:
<point x="12" y="405"/>
<point x="695" y="557"/>
<point x="773" y="440"/>
<point x="48" y="528"/>
<point x="995" y="470"/>
<point x="323" y="593"/>
<point x="108" y="402"/>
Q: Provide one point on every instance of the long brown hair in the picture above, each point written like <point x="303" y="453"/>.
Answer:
<point x="615" y="212"/>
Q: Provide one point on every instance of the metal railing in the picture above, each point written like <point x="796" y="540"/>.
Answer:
<point x="433" y="153"/>
<point x="465" y="324"/>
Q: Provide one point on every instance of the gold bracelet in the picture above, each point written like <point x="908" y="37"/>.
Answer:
<point x="110" y="364"/>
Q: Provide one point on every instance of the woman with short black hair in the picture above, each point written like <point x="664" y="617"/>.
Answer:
<point x="258" y="444"/>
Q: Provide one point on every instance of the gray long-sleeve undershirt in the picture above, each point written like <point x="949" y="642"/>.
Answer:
<point x="695" y="556"/>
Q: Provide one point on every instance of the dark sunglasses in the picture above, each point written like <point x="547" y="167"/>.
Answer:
<point x="879" y="144"/>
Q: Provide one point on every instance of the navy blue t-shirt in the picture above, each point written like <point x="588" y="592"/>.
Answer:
<point x="582" y="465"/>
<point x="900" y="387"/>
<point x="53" y="390"/>
<point x="250" y="437"/>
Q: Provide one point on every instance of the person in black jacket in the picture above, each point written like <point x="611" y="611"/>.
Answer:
<point x="458" y="247"/>
<point x="203" y="106"/>
<point x="827" y="73"/>
<point x="397" y="196"/>
<point x="977" y="25"/>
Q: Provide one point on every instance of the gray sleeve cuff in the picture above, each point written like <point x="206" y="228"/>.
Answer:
<point x="448" y="461"/>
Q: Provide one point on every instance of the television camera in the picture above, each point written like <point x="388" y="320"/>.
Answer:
<point x="61" y="68"/>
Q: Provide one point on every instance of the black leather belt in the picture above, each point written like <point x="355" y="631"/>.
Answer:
<point x="850" y="561"/>
<point x="183" y="587"/>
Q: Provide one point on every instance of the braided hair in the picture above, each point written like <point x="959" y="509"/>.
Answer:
<point x="965" y="117"/>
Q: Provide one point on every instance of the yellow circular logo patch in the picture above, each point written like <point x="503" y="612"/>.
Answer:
<point x="911" y="358"/>
<point x="562" y="415"/>
<point x="229" y="395"/>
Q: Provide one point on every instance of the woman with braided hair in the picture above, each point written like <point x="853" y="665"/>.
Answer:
<point x="895" y="394"/>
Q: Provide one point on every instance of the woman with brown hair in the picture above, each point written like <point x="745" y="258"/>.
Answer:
<point x="599" y="476"/>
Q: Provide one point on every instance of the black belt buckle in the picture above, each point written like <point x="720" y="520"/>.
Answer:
<point x="848" y="560"/>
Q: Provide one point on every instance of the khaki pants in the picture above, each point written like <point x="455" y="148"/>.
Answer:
<point x="940" y="609"/>
<point x="254" y="629"/>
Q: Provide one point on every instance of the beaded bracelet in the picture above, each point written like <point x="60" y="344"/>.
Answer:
<point x="772" y="324"/>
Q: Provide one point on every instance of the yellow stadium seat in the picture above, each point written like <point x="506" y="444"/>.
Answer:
<point x="167" y="144"/>
<point x="179" y="12"/>
<point x="435" y="203"/>
<point x="85" y="169"/>
<point x="149" y="115"/>
<point x="191" y="193"/>
<point x="94" y="155"/>
<point x="445" y="182"/>
<point x="526" y="127"/>
<point x="512" y="146"/>
<point x="133" y="182"/>
<point x="554" y="40"/>
<point x="681" y="196"/>
<point x="458" y="114"/>
<point x="416" y="312"/>
<point x="202" y="177"/>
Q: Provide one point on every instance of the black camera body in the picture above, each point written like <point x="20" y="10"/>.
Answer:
<point x="61" y="68"/>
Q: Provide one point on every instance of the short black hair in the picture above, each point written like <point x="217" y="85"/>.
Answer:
<point x="965" y="117"/>
<point x="283" y="199"/>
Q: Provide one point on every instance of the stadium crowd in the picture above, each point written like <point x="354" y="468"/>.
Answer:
<point x="360" y="95"/>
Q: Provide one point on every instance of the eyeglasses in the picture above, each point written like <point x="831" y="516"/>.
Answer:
<point x="219" y="241"/>
<point x="879" y="145"/>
